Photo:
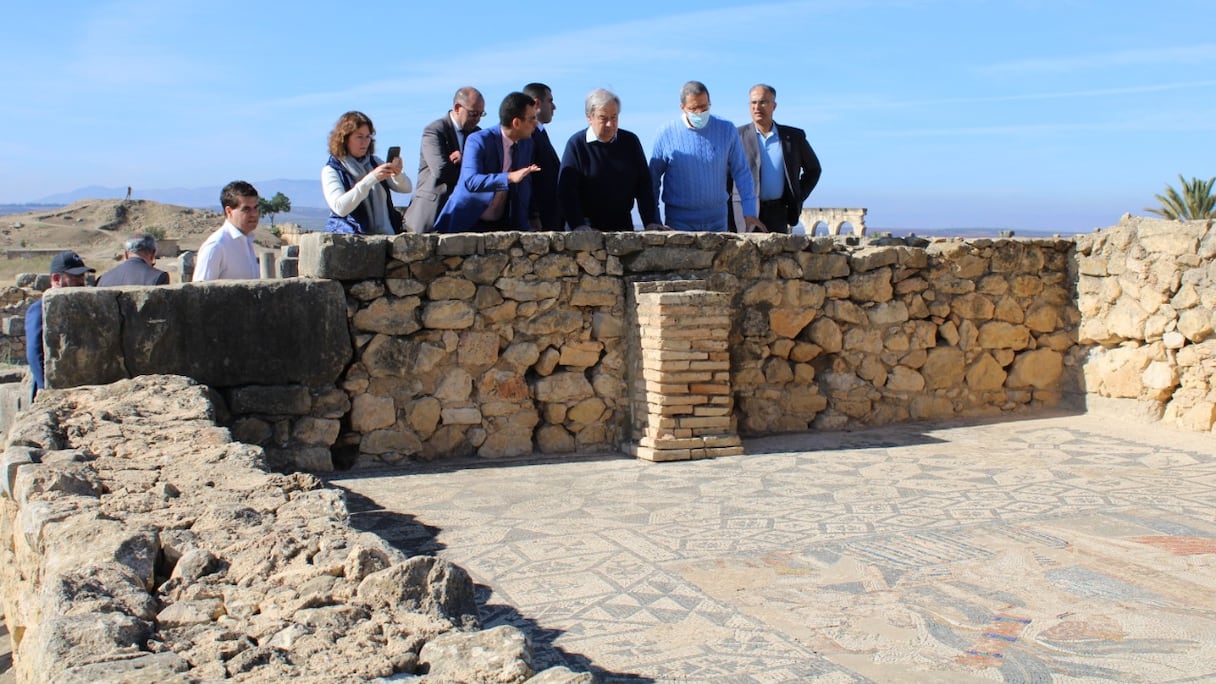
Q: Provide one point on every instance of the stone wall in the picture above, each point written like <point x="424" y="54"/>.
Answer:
<point x="139" y="543"/>
<point x="273" y="350"/>
<point x="501" y="344"/>
<point x="504" y="344"/>
<point x="1147" y="295"/>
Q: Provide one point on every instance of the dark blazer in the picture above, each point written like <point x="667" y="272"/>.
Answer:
<point x="545" y="203"/>
<point x="133" y="271"/>
<point x="481" y="176"/>
<point x="437" y="175"/>
<point x="802" y="169"/>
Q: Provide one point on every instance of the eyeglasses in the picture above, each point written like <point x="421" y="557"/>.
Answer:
<point x="475" y="114"/>
<point x="363" y="138"/>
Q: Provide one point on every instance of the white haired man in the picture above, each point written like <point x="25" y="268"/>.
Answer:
<point x="138" y="266"/>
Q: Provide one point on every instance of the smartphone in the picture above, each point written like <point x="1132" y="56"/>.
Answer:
<point x="393" y="153"/>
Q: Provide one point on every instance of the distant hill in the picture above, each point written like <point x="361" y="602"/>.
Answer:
<point x="96" y="228"/>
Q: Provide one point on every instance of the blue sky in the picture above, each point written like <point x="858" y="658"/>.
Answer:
<point x="1056" y="115"/>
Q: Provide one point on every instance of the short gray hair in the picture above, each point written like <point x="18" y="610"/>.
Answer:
<point x="765" y="87"/>
<point x="692" y="89"/>
<point x="598" y="98"/>
<point x="141" y="243"/>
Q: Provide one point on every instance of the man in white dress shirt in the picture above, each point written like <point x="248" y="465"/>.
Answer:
<point x="227" y="254"/>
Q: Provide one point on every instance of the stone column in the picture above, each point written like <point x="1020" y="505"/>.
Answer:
<point x="682" y="395"/>
<point x="266" y="264"/>
<point x="185" y="266"/>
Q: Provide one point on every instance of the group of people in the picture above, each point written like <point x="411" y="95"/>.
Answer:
<point x="709" y="174"/>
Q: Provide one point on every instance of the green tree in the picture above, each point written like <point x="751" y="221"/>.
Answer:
<point x="275" y="205"/>
<point x="1195" y="202"/>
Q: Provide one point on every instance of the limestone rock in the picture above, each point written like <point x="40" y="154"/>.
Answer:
<point x="424" y="584"/>
<point x="1041" y="368"/>
<point x="501" y="654"/>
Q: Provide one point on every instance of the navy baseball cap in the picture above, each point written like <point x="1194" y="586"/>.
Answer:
<point x="69" y="262"/>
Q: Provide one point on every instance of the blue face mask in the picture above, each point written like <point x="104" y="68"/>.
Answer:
<point x="698" y="121"/>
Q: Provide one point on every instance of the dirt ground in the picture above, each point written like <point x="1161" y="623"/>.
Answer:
<point x="96" y="230"/>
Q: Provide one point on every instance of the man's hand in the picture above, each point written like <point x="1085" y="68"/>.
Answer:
<point x="519" y="174"/>
<point x="454" y="157"/>
<point x="751" y="223"/>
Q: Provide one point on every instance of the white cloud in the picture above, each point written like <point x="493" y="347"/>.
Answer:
<point x="1201" y="55"/>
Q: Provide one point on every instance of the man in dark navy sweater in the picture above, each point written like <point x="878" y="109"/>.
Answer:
<point x="604" y="172"/>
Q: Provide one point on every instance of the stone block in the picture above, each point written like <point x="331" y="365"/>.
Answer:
<point x="1041" y="369"/>
<point x="411" y="247"/>
<point x="83" y="336"/>
<point x="14" y="458"/>
<point x="289" y="268"/>
<point x="343" y="257"/>
<point x="663" y="259"/>
<point x="460" y="244"/>
<point x="13" y="326"/>
<point x="461" y="416"/>
<point x="286" y="400"/>
<point x="389" y="315"/>
<point x="224" y="333"/>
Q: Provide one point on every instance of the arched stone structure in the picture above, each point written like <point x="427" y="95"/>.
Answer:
<point x="834" y="218"/>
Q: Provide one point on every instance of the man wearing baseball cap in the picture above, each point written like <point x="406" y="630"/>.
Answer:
<point x="67" y="270"/>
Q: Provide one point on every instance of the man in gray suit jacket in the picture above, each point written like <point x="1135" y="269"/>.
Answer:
<point x="439" y="158"/>
<point x="139" y="255"/>
<point x="783" y="165"/>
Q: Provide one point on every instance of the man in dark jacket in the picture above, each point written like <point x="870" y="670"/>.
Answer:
<point x="138" y="266"/>
<point x="546" y="211"/>
<point x="67" y="270"/>
<point x="783" y="165"/>
<point x="440" y="157"/>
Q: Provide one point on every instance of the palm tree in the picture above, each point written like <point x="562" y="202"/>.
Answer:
<point x="1195" y="202"/>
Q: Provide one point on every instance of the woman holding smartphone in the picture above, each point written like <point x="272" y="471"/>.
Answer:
<point x="357" y="185"/>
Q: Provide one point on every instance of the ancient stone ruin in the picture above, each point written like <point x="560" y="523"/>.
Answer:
<point x="665" y="345"/>
<point x="141" y="543"/>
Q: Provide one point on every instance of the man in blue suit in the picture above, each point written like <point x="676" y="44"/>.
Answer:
<point x="494" y="191"/>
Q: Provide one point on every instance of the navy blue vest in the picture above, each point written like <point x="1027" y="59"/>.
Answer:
<point x="358" y="220"/>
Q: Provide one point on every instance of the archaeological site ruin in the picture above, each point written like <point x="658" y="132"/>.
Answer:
<point x="166" y="486"/>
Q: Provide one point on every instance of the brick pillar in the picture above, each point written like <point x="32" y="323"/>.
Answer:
<point x="682" y="398"/>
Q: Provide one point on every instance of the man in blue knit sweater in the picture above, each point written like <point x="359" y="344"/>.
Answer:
<point x="690" y="162"/>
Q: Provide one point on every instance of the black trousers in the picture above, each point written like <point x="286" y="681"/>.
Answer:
<point x="773" y="216"/>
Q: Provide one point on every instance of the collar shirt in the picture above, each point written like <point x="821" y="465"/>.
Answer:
<point x="227" y="254"/>
<point x="460" y="136"/>
<point x="592" y="138"/>
<point x="772" y="165"/>
<point x="498" y="203"/>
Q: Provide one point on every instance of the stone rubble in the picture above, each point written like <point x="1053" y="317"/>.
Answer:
<point x="140" y="543"/>
<point x="1146" y="290"/>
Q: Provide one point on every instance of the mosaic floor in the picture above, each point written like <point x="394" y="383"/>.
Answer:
<point x="1073" y="548"/>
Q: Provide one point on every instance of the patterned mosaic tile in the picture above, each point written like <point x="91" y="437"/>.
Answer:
<point x="1072" y="549"/>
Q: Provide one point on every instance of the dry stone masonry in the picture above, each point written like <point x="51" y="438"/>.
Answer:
<point x="500" y="345"/>
<point x="1147" y="294"/>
